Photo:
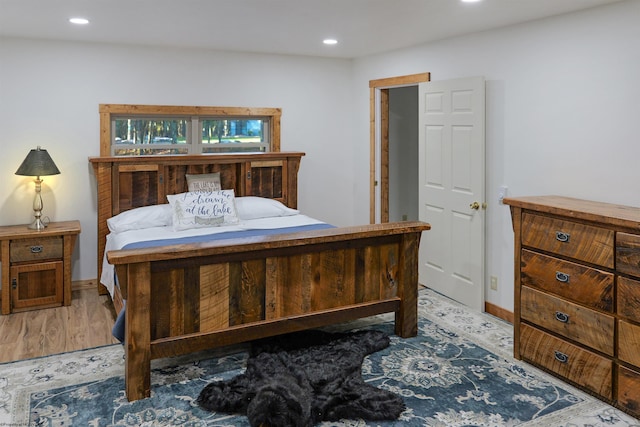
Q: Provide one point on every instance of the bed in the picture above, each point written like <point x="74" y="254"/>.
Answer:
<point x="187" y="297"/>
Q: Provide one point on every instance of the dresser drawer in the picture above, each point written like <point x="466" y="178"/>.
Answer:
<point x="629" y="299"/>
<point x="583" y="367"/>
<point x="573" y="321"/>
<point x="628" y="391"/>
<point x="629" y="343"/>
<point x="569" y="280"/>
<point x="36" y="249"/>
<point x="571" y="239"/>
<point x="628" y="253"/>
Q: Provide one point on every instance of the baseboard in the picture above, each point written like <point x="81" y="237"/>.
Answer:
<point x="79" y="285"/>
<point x="499" y="312"/>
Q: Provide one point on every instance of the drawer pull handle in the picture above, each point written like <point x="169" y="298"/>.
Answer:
<point x="562" y="317"/>
<point x="562" y="237"/>
<point x="562" y="277"/>
<point x="36" y="249"/>
<point x="561" y="357"/>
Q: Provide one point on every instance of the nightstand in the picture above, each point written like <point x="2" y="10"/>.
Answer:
<point x="35" y="265"/>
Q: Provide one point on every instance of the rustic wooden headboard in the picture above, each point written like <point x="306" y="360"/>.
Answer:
<point x="130" y="182"/>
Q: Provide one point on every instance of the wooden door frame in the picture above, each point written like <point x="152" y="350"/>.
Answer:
<point x="383" y="85"/>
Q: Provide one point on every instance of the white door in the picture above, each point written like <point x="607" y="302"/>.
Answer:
<point x="452" y="188"/>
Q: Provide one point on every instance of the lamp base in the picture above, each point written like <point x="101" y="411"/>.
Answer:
<point x="37" y="224"/>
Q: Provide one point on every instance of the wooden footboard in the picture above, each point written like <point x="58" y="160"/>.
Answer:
<point x="191" y="297"/>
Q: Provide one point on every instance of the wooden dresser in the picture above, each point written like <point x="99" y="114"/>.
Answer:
<point x="577" y="293"/>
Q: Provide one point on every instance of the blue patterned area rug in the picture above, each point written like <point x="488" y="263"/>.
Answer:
<point x="458" y="371"/>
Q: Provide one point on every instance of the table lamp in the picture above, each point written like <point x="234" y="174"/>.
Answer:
<point x="37" y="163"/>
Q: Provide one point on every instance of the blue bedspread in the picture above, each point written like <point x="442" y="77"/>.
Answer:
<point x="118" y="327"/>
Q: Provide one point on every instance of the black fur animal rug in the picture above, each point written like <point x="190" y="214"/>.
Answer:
<point x="303" y="378"/>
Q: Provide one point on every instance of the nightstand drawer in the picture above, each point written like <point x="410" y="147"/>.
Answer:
<point x="25" y="250"/>
<point x="567" y="360"/>
<point x="582" y="242"/>
<point x="576" y="282"/>
<point x="572" y="321"/>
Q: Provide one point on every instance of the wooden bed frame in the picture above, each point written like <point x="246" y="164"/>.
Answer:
<point x="191" y="297"/>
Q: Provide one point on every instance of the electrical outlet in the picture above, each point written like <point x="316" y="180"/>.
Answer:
<point x="494" y="283"/>
<point x="404" y="217"/>
<point x="502" y="193"/>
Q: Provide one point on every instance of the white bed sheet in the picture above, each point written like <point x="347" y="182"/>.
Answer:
<point x="117" y="241"/>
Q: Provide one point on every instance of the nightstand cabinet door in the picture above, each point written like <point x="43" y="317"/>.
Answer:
<point x="37" y="285"/>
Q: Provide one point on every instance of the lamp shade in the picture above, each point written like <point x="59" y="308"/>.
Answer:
<point x="38" y="163"/>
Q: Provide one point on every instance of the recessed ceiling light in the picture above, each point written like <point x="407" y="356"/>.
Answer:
<point x="79" y="21"/>
<point x="470" y="1"/>
<point x="330" y="41"/>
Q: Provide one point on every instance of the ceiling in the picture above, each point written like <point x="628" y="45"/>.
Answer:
<point x="296" y="27"/>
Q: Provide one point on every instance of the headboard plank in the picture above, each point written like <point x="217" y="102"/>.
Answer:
<point x="134" y="181"/>
<point x="175" y="181"/>
<point x="136" y="189"/>
<point x="268" y="179"/>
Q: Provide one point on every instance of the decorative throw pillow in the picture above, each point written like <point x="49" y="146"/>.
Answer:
<point x="204" y="182"/>
<point x="203" y="209"/>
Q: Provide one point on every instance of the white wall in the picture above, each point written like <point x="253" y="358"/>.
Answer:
<point x="50" y="92"/>
<point x="563" y="101"/>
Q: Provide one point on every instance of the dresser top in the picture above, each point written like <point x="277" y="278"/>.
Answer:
<point x="588" y="210"/>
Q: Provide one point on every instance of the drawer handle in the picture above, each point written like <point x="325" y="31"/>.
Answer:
<point x="562" y="317"/>
<point x="37" y="249"/>
<point x="561" y="357"/>
<point x="562" y="277"/>
<point x="562" y="237"/>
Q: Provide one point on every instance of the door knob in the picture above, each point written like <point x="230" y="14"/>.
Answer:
<point x="475" y="205"/>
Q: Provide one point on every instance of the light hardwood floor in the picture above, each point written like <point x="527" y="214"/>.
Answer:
<point x="85" y="323"/>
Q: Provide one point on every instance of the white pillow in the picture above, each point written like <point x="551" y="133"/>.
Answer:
<point x="251" y="207"/>
<point x="203" y="209"/>
<point x="143" y="217"/>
